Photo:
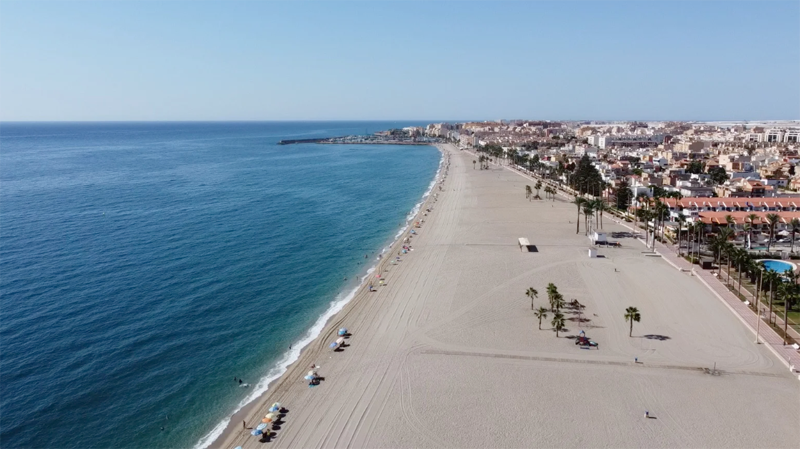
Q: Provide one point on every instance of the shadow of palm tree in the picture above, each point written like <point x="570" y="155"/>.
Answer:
<point x="656" y="337"/>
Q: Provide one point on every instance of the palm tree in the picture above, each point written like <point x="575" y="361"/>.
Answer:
<point x="588" y="211"/>
<point x="720" y="242"/>
<point x="730" y="252"/>
<point x="752" y="219"/>
<point x="558" y="301"/>
<point x="532" y="293"/>
<point x="742" y="260"/>
<point x="558" y="322"/>
<point x="599" y="207"/>
<point x="788" y="300"/>
<point x="639" y="200"/>
<point x="662" y="211"/>
<point x="774" y="278"/>
<point x="473" y="164"/>
<point x="540" y="313"/>
<point x="538" y="187"/>
<point x="528" y="192"/>
<point x="795" y="226"/>
<point x="681" y="219"/>
<point x="646" y="216"/>
<point x="772" y="219"/>
<point x="632" y="314"/>
<point x="552" y="291"/>
<point x="578" y="201"/>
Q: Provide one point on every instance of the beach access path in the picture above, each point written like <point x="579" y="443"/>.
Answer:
<point x="448" y="353"/>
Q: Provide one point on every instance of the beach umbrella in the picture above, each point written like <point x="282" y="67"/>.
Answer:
<point x="266" y="420"/>
<point x="342" y="331"/>
<point x="332" y="345"/>
<point x="255" y="432"/>
<point x="276" y="405"/>
<point x="309" y="377"/>
<point x="274" y="408"/>
<point x="238" y="447"/>
<point x="340" y="340"/>
<point x="261" y="426"/>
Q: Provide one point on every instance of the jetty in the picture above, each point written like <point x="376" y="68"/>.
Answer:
<point x="365" y="140"/>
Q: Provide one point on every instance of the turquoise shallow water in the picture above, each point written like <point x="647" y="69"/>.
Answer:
<point x="145" y="265"/>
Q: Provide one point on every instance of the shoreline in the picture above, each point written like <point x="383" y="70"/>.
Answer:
<point x="229" y="426"/>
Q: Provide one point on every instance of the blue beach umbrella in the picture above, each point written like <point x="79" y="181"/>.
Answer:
<point x="332" y="345"/>
<point x="238" y="447"/>
<point x="307" y="378"/>
<point x="261" y="426"/>
<point x="274" y="409"/>
<point x="255" y="432"/>
<point x="342" y="331"/>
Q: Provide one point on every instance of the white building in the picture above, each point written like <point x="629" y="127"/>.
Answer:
<point x="630" y="140"/>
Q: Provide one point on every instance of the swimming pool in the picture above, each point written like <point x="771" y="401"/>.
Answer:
<point x="778" y="265"/>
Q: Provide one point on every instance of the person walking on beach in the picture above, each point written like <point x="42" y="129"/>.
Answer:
<point x="244" y="424"/>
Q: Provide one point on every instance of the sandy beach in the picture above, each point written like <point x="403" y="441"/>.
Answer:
<point x="448" y="352"/>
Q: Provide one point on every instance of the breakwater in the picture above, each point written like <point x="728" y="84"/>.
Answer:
<point x="360" y="140"/>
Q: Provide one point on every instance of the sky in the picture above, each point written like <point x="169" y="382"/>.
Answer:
<point x="379" y="60"/>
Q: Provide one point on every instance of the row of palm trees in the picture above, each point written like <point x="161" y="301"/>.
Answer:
<point x="484" y="162"/>
<point x="774" y="286"/>
<point x="556" y="300"/>
<point x="590" y="208"/>
<point x="529" y="192"/>
<point x="550" y="192"/>
<point x="655" y="211"/>
<point x="556" y="303"/>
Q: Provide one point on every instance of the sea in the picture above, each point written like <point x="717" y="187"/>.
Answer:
<point x="144" y="266"/>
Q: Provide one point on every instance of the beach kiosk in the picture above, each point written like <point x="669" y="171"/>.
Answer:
<point x="523" y="244"/>
<point x="599" y="237"/>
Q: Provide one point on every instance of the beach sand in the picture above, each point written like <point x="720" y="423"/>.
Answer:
<point x="448" y="353"/>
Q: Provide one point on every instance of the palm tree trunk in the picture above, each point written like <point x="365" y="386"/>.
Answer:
<point x="578" y="222"/>
<point x="785" y="318"/>
<point x="758" y="289"/>
<point x="791" y="250"/>
<point x="771" y="299"/>
<point x="729" y="270"/>
<point x="740" y="279"/>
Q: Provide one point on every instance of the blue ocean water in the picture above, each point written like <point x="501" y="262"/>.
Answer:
<point x="143" y="266"/>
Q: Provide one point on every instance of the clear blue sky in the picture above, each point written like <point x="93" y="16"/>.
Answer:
<point x="146" y="60"/>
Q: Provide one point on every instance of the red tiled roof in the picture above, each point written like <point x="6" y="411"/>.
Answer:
<point x="741" y="217"/>
<point x="689" y="202"/>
